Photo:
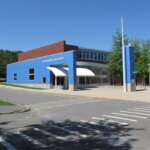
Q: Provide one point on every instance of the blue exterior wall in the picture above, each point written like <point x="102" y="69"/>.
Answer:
<point x="40" y="70"/>
<point x="130" y="64"/>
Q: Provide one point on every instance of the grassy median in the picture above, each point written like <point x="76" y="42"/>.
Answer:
<point x="5" y="103"/>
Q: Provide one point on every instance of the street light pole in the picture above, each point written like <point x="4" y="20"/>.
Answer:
<point x="123" y="58"/>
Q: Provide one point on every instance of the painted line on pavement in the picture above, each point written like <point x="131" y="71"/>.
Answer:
<point x="138" y="113"/>
<point x="6" y="144"/>
<point x="49" y="134"/>
<point x="142" y="108"/>
<point x="90" y="129"/>
<point x="135" y="116"/>
<point x="139" y="110"/>
<point x="90" y="122"/>
<point x="119" y="118"/>
<point x="70" y="131"/>
<point x="56" y="101"/>
<point x="113" y="121"/>
<point x="65" y="105"/>
<point x="33" y="141"/>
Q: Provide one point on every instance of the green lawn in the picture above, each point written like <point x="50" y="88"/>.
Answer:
<point x="21" y="86"/>
<point x="5" y="103"/>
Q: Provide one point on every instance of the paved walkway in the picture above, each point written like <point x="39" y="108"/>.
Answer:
<point x="12" y="109"/>
<point x="103" y="92"/>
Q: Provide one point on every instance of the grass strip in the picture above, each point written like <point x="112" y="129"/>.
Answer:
<point x="5" y="103"/>
<point x="21" y="86"/>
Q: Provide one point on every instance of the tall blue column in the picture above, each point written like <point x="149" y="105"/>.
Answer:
<point x="130" y="68"/>
<point x="51" y="79"/>
<point x="72" y="72"/>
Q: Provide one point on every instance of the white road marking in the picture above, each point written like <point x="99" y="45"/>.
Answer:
<point x="119" y="118"/>
<point x="49" y="134"/>
<point x="138" y="113"/>
<point x="135" y="116"/>
<point x="28" y="138"/>
<point x="70" y="131"/>
<point x="6" y="144"/>
<point x="90" y="122"/>
<point x="65" y="105"/>
<point x="139" y="110"/>
<point x="142" y="108"/>
<point x="56" y="101"/>
<point x="90" y="129"/>
<point x="96" y="118"/>
<point x="113" y="121"/>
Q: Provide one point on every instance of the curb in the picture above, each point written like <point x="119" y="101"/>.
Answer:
<point x="16" y="111"/>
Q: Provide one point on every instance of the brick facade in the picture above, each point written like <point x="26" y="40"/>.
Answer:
<point x="55" y="48"/>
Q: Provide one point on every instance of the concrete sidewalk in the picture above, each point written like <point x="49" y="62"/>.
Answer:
<point x="102" y="92"/>
<point x="12" y="109"/>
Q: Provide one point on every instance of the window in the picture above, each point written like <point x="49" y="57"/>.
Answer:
<point x="15" y="76"/>
<point x="95" y="55"/>
<point x="44" y="79"/>
<point x="31" y="74"/>
<point x="79" y="54"/>
<point x="91" y="55"/>
<point x="81" y="80"/>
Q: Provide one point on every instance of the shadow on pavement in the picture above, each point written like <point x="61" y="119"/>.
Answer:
<point x="70" y="135"/>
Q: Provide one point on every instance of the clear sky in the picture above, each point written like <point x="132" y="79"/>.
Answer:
<point x="28" y="24"/>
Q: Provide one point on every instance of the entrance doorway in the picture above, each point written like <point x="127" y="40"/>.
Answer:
<point x="59" y="82"/>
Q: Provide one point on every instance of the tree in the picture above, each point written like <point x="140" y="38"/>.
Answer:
<point x="142" y="51"/>
<point x="115" y="58"/>
<point x="7" y="57"/>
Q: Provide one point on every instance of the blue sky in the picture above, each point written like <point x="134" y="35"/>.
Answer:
<point x="28" y="24"/>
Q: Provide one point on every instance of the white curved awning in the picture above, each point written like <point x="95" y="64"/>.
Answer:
<point x="59" y="72"/>
<point x="84" y="72"/>
<point x="63" y="72"/>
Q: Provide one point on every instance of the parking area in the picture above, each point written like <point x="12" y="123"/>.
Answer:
<point x="62" y="122"/>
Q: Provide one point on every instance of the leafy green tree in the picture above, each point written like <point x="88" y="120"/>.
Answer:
<point x="7" y="57"/>
<point x="115" y="58"/>
<point x="142" y="51"/>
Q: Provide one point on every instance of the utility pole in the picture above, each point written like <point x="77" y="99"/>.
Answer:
<point x="123" y="58"/>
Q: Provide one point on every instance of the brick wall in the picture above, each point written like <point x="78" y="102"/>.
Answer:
<point x="43" y="51"/>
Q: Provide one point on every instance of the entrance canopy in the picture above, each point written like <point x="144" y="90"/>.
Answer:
<point x="59" y="72"/>
<point x="63" y="72"/>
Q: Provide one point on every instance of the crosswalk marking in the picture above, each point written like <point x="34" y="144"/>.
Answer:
<point x="139" y="110"/>
<point x="113" y="121"/>
<point x="138" y="113"/>
<point x="142" y="108"/>
<point x="90" y="122"/>
<point x="109" y="116"/>
<point x="6" y="144"/>
<point x="28" y="138"/>
<point x="70" y="131"/>
<point x="129" y="115"/>
<point x="49" y="134"/>
<point x="90" y="129"/>
<point x="96" y="118"/>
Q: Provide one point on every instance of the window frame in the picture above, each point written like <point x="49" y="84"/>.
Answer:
<point x="31" y="73"/>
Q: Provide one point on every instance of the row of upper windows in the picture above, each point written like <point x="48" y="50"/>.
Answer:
<point x="92" y="55"/>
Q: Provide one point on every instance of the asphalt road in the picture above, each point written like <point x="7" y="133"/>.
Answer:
<point x="74" y="123"/>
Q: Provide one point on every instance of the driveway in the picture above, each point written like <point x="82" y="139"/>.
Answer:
<point x="73" y="123"/>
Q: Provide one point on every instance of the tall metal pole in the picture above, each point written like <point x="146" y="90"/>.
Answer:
<point x="123" y="58"/>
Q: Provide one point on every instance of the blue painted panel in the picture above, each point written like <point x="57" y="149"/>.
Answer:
<point x="130" y="64"/>
<point x="39" y="65"/>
